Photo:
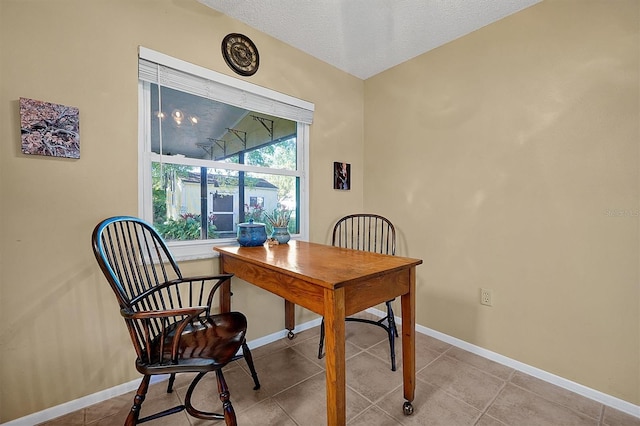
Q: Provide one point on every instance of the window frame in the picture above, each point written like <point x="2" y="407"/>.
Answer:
<point x="284" y="104"/>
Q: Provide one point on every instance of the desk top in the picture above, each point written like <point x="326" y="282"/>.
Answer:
<point x="323" y="265"/>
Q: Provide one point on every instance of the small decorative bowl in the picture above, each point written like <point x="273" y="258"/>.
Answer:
<point x="252" y="234"/>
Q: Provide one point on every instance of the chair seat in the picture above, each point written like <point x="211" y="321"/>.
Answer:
<point x="205" y="344"/>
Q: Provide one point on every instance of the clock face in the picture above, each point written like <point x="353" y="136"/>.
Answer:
<point x="240" y="54"/>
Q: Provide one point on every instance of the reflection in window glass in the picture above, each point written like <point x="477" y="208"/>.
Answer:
<point x="191" y="126"/>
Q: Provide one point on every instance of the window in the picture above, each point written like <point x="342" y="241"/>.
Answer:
<point x="216" y="151"/>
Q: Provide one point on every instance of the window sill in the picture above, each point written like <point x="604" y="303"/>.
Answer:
<point x="195" y="250"/>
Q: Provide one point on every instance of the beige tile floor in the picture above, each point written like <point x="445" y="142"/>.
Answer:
<point x="453" y="387"/>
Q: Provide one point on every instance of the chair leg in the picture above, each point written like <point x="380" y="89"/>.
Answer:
<point x="247" y="356"/>
<point x="392" y="349"/>
<point x="393" y="333"/>
<point x="391" y="318"/>
<point x="321" y="344"/>
<point x="223" y="390"/>
<point x="172" y="379"/>
<point x="134" y="414"/>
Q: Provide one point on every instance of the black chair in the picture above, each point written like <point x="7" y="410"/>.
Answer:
<point x="169" y="316"/>
<point x="374" y="233"/>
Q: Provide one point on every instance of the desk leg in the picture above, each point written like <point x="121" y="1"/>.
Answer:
<point x="409" y="343"/>
<point x="334" y="325"/>
<point x="289" y="318"/>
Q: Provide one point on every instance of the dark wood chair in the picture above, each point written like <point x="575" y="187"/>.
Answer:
<point x="169" y="317"/>
<point x="375" y="233"/>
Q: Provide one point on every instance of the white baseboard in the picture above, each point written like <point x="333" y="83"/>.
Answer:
<point x="603" y="398"/>
<point x="80" y="403"/>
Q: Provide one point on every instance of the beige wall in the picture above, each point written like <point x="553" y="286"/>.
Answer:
<point x="501" y="157"/>
<point x="61" y="337"/>
<point x="509" y="146"/>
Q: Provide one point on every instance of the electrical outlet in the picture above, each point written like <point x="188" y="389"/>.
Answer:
<point x="485" y="297"/>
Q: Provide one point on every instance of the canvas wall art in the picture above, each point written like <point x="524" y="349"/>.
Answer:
<point x="341" y="175"/>
<point x="49" y="129"/>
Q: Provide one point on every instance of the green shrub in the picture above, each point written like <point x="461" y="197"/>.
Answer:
<point x="186" y="227"/>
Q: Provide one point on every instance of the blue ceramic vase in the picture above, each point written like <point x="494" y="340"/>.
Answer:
<point x="281" y="234"/>
<point x="251" y="234"/>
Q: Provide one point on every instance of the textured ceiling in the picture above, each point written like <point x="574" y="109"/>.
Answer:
<point x="366" y="37"/>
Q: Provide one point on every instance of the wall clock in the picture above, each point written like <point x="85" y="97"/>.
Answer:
<point x="240" y="54"/>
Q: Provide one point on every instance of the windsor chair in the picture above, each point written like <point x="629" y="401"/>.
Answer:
<point x="169" y="317"/>
<point x="374" y="233"/>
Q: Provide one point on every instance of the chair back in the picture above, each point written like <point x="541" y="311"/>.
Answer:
<point x="364" y="231"/>
<point x="133" y="257"/>
<point x="145" y="277"/>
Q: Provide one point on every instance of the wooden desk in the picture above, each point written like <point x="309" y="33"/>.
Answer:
<point x="333" y="282"/>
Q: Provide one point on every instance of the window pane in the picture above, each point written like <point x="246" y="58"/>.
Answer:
<point x="181" y="209"/>
<point x="188" y="199"/>
<point x="276" y="155"/>
<point x="280" y="197"/>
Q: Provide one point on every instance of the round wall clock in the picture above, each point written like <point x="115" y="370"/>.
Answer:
<point x="240" y="54"/>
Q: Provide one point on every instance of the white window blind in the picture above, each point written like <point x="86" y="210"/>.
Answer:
<point x="170" y="72"/>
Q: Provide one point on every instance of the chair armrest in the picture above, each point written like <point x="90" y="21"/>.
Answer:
<point x="219" y="279"/>
<point x="146" y="325"/>
<point x="192" y="312"/>
<point x="187" y="297"/>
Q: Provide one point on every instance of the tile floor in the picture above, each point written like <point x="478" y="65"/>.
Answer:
<point x="454" y="387"/>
